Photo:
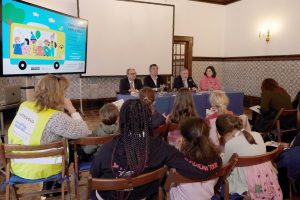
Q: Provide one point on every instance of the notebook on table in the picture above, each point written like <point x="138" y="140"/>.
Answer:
<point x="12" y="95"/>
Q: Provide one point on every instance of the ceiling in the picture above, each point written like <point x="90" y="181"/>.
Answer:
<point x="222" y="2"/>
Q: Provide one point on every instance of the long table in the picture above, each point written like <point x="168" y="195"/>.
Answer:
<point x="164" y="103"/>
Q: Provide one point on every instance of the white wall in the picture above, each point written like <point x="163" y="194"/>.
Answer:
<point x="243" y="20"/>
<point x="64" y="6"/>
<point x="203" y="21"/>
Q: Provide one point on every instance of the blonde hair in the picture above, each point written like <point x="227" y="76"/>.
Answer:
<point x="219" y="100"/>
<point x="50" y="92"/>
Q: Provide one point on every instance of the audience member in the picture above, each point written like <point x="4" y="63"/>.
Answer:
<point x="288" y="168"/>
<point x="42" y="121"/>
<point x="209" y="81"/>
<point x="108" y="125"/>
<point x="296" y="102"/>
<point x="219" y="102"/>
<point x="184" y="80"/>
<point x="184" y="108"/>
<point x="135" y="151"/>
<point x="273" y="98"/>
<point x="153" y="80"/>
<point x="197" y="147"/>
<point x="147" y="96"/>
<point x="258" y="181"/>
<point x="130" y="84"/>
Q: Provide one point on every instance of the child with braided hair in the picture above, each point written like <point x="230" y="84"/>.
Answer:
<point x="135" y="151"/>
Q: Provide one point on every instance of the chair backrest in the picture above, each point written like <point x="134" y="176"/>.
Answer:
<point x="175" y="178"/>
<point x="293" y="114"/>
<point x="106" y="184"/>
<point x="244" y="161"/>
<point x="18" y="151"/>
<point x="173" y="127"/>
<point x="94" y="140"/>
<point x="162" y="131"/>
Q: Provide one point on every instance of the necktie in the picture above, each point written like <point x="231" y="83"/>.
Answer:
<point x="185" y="84"/>
<point x="131" y="85"/>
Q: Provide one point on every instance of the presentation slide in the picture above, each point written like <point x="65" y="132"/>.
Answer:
<point x="36" y="40"/>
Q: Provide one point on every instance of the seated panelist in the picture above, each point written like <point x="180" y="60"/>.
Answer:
<point x="153" y="80"/>
<point x="130" y="84"/>
<point x="209" y="81"/>
<point x="184" y="81"/>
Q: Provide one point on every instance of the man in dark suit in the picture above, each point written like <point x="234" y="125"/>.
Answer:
<point x="130" y="83"/>
<point x="153" y="80"/>
<point x="184" y="80"/>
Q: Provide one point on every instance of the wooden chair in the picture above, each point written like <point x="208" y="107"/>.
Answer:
<point x="175" y="178"/>
<point x="244" y="161"/>
<point x="278" y="127"/>
<point x="85" y="166"/>
<point x="162" y="131"/>
<point x="13" y="151"/>
<point x="106" y="184"/>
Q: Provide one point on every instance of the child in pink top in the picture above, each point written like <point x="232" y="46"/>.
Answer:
<point x="209" y="80"/>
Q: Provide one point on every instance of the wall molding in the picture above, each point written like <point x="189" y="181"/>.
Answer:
<point x="249" y="58"/>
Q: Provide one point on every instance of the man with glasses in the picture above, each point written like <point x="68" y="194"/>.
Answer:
<point x="130" y="84"/>
<point x="184" y="80"/>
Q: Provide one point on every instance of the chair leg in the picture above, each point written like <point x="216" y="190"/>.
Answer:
<point x="69" y="189"/>
<point x="76" y="179"/>
<point x="14" y="190"/>
<point x="63" y="190"/>
<point x="7" y="192"/>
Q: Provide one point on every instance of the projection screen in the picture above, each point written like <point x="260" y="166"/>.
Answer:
<point x="123" y="34"/>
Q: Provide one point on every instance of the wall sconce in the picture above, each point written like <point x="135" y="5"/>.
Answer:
<point x="265" y="35"/>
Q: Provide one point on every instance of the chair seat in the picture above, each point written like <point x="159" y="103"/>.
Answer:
<point x="14" y="179"/>
<point x="85" y="166"/>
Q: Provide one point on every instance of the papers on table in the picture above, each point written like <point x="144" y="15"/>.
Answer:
<point x="255" y="109"/>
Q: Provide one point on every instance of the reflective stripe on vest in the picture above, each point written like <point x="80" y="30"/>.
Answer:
<point x="27" y="128"/>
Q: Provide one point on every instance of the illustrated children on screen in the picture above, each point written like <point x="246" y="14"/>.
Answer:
<point x="26" y="47"/>
<point x="17" y="46"/>
<point x="37" y="46"/>
<point x="32" y="44"/>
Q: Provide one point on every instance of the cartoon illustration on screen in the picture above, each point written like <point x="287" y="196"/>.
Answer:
<point x="42" y="44"/>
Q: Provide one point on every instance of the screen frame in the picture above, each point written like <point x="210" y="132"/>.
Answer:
<point x="39" y="74"/>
